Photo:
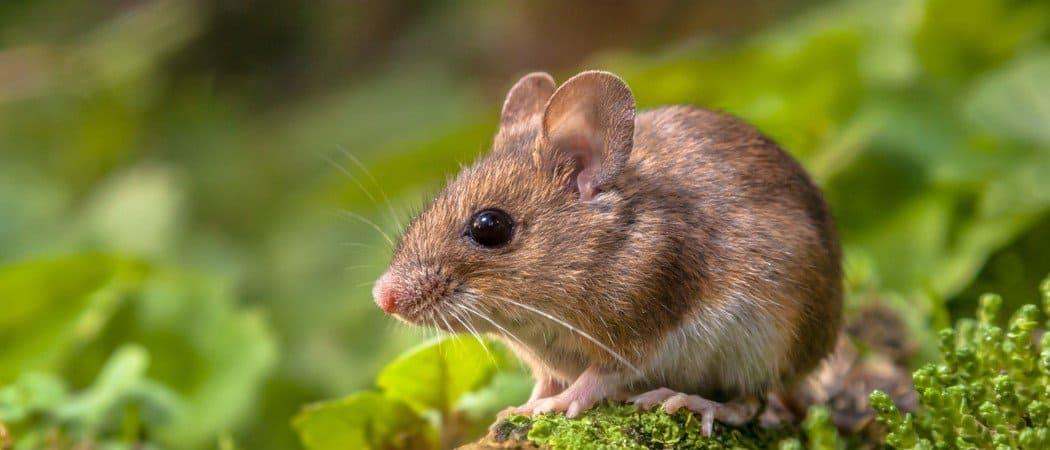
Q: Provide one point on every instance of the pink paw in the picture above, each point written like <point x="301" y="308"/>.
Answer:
<point x="571" y="405"/>
<point x="652" y="398"/>
<point x="736" y="412"/>
<point x="590" y="387"/>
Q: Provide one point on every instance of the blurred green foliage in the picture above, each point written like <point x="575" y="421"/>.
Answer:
<point x="441" y="392"/>
<point x="173" y="256"/>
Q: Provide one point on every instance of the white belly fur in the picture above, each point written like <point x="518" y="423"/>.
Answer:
<point x="731" y="348"/>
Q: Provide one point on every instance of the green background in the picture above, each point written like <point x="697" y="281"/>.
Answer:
<point x="195" y="192"/>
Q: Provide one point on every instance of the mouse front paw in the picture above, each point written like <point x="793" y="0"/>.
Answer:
<point x="591" y="387"/>
<point x="572" y="404"/>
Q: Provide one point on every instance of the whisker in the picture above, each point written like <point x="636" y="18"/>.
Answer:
<point x="368" y="173"/>
<point x="494" y="323"/>
<point x="473" y="329"/>
<point x="357" y="216"/>
<point x="448" y="327"/>
<point x="473" y="332"/>
<point x="359" y="267"/>
<point x="455" y="316"/>
<point x="357" y="244"/>
<point x="351" y="176"/>
<point x="576" y="330"/>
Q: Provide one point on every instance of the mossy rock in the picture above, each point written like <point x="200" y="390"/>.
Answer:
<point x="623" y="426"/>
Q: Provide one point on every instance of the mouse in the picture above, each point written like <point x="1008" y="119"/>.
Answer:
<point x="673" y="257"/>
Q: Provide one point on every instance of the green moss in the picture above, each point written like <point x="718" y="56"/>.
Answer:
<point x="992" y="389"/>
<point x="820" y="431"/>
<point x="623" y="426"/>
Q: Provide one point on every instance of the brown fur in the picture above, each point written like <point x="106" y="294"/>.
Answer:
<point x="704" y="213"/>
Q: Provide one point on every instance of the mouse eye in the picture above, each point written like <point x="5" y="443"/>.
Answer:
<point x="491" y="228"/>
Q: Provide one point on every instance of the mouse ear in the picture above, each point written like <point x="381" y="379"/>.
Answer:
<point x="527" y="97"/>
<point x="591" y="117"/>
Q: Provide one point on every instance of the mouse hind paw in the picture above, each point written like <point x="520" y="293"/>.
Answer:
<point x="735" y="412"/>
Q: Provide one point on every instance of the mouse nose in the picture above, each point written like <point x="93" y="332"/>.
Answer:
<point x="385" y="294"/>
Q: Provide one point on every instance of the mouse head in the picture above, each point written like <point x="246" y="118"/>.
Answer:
<point x="530" y="225"/>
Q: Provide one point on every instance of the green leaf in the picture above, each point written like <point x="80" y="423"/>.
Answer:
<point x="211" y="353"/>
<point x="1014" y="101"/>
<point x="51" y="305"/>
<point x="507" y="388"/>
<point x="436" y="374"/>
<point x="32" y="392"/>
<point x="125" y="369"/>
<point x="38" y="405"/>
<point x="366" y="420"/>
<point x="121" y="387"/>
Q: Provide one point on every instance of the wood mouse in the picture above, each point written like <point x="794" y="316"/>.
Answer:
<point x="674" y="256"/>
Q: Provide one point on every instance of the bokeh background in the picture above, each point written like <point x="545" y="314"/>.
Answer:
<point x="196" y="191"/>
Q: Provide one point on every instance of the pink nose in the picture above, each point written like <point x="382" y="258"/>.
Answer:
<point x="385" y="294"/>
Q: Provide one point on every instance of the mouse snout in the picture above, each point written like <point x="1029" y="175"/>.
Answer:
<point x="386" y="294"/>
<point x="411" y="293"/>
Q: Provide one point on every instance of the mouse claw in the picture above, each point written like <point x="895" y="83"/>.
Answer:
<point x="542" y="407"/>
<point x="574" y="410"/>
<point x="525" y="410"/>
<point x="648" y="400"/>
<point x="702" y="407"/>
<point x="571" y="406"/>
